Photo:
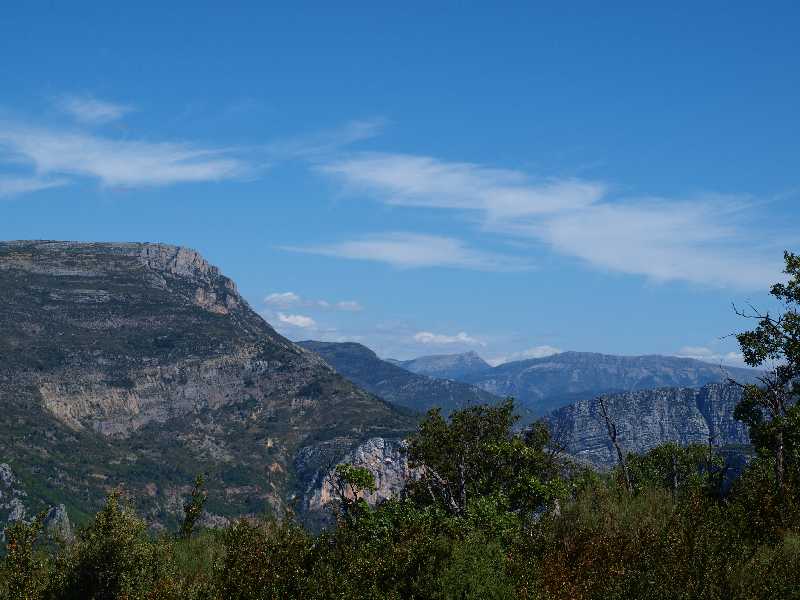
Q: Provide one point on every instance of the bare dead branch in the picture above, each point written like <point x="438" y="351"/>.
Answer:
<point x="611" y="428"/>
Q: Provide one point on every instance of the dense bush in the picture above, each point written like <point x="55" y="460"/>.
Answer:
<point x="664" y="540"/>
<point x="114" y="558"/>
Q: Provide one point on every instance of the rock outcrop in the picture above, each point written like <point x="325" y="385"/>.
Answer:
<point x="16" y="505"/>
<point x="57" y="523"/>
<point x="647" y="418"/>
<point x="13" y="499"/>
<point x="385" y="459"/>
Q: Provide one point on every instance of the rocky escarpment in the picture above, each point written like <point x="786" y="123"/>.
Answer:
<point x="395" y="384"/>
<point x="16" y="505"/>
<point x="544" y="384"/>
<point x="647" y="418"/>
<point x="140" y="365"/>
<point x="13" y="499"/>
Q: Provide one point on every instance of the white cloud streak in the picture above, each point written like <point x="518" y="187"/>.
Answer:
<point x="409" y="180"/>
<point x="708" y="355"/>
<point x="324" y="143"/>
<point x="90" y="110"/>
<point x="413" y="250"/>
<point x="283" y="299"/>
<point x="692" y="241"/>
<point x="535" y="352"/>
<point x="126" y="163"/>
<point x="349" y="306"/>
<point x="58" y="153"/>
<point x="440" y="339"/>
<point x="300" y="321"/>
<point x="288" y="299"/>
<point x="703" y="240"/>
<point x="13" y="186"/>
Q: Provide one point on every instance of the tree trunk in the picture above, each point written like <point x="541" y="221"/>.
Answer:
<point x="674" y="475"/>
<point x="612" y="434"/>
<point x="779" y="466"/>
<point x="462" y="485"/>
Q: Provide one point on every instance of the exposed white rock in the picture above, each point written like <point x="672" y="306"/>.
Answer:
<point x="385" y="459"/>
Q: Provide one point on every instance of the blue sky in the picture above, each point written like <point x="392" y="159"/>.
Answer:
<point x="511" y="180"/>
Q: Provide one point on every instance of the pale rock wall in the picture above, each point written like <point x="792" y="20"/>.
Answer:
<point x="648" y="418"/>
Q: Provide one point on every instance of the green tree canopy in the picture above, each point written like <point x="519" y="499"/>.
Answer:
<point x="476" y="454"/>
<point x="770" y="408"/>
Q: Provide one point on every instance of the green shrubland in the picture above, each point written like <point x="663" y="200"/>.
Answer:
<point x="528" y="528"/>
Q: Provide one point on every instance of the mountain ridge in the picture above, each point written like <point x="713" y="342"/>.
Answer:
<point x="444" y="366"/>
<point x="395" y="384"/>
<point x="116" y="355"/>
<point x="546" y="383"/>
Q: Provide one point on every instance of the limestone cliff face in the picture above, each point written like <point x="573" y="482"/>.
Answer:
<point x="141" y="365"/>
<point x="116" y="358"/>
<point x="17" y="505"/>
<point x="647" y="418"/>
<point x="13" y="499"/>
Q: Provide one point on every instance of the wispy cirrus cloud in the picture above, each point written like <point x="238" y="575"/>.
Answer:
<point x="349" y="306"/>
<point x="413" y="250"/>
<point x="59" y="154"/>
<point x="700" y="241"/>
<point x="282" y="299"/>
<point x="422" y="181"/>
<point x="116" y="162"/>
<point x="442" y="339"/>
<point x="90" y="110"/>
<point x="535" y="352"/>
<point x="300" y="321"/>
<point x="704" y="239"/>
<point x="13" y="186"/>
<point x="706" y="354"/>
<point x="288" y="299"/>
<point x="323" y="143"/>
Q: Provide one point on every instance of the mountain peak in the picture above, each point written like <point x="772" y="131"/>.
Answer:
<point x="446" y="366"/>
<point x="87" y="261"/>
<point x="177" y="260"/>
<point x="343" y="349"/>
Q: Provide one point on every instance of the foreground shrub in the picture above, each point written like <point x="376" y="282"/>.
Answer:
<point x="395" y="551"/>
<point x="263" y="560"/>
<point x="114" y="558"/>
<point x="609" y="544"/>
<point x="23" y="575"/>
<point x="476" y="570"/>
<point x="772" y="573"/>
